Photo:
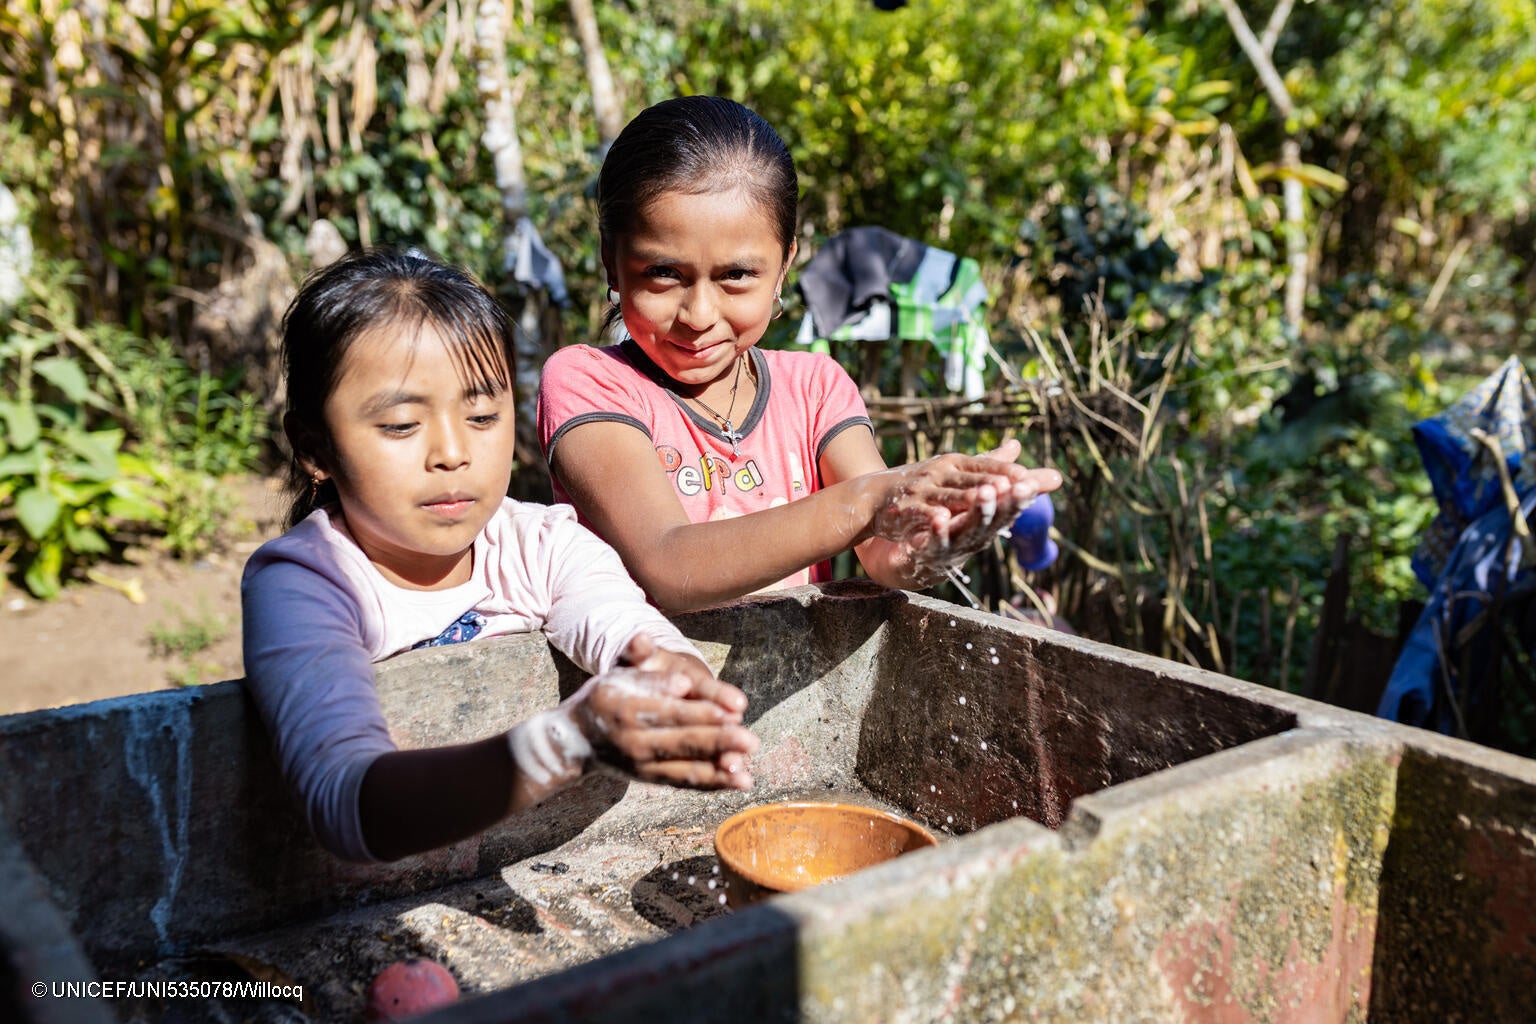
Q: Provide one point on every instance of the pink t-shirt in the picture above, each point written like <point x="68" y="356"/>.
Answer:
<point x="803" y="401"/>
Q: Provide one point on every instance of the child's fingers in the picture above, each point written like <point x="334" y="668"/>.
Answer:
<point x="639" y="751"/>
<point x="631" y="712"/>
<point x="721" y="694"/>
<point x="640" y="649"/>
<point x="964" y="472"/>
<point x="689" y="676"/>
<point x="1043" y="480"/>
<point x="1008" y="451"/>
<point x="698" y="775"/>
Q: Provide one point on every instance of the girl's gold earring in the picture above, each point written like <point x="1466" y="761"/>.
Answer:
<point x="314" y="488"/>
<point x="613" y="298"/>
<point x="778" y="306"/>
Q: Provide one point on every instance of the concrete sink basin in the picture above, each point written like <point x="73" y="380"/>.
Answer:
<point x="1121" y="838"/>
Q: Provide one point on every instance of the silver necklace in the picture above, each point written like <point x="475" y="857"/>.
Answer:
<point x="731" y="433"/>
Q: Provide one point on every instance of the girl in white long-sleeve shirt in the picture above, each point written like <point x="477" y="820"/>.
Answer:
<point x="400" y="417"/>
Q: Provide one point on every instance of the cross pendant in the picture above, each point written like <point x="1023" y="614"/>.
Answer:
<point x="734" y="436"/>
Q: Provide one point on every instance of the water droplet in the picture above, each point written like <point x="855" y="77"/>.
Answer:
<point x="949" y="819"/>
<point x="967" y="646"/>
<point x="722" y="899"/>
<point x="713" y="883"/>
<point x="951" y="622"/>
<point x="690" y="879"/>
<point x="953" y="738"/>
<point x="933" y="789"/>
<point x="674" y="876"/>
<point x="991" y="650"/>
<point x="994" y="660"/>
<point x="983" y="744"/>
<point x="715" y="870"/>
<point x="962" y="699"/>
<point x="1015" y="805"/>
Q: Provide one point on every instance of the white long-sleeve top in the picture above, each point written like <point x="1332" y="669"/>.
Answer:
<point x="318" y="615"/>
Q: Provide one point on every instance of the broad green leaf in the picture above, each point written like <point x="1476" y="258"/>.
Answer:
<point x="37" y="510"/>
<point x="27" y="463"/>
<point x="22" y="425"/>
<point x="84" y="540"/>
<point x="42" y="576"/>
<point x="67" y="376"/>
<point x="134" y="508"/>
<point x="99" y="449"/>
<point x="79" y="492"/>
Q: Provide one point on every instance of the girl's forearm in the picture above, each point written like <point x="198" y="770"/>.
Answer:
<point x="691" y="565"/>
<point x="417" y="800"/>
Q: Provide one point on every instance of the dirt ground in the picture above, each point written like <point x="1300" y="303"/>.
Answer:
<point x="95" y="642"/>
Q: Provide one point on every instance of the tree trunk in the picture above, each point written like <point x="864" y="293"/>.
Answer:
<point x="1260" y="52"/>
<point x="500" y="138"/>
<point x="605" y="101"/>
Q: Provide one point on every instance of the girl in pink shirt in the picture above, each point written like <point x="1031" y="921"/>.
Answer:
<point x="398" y="372"/>
<point x="716" y="469"/>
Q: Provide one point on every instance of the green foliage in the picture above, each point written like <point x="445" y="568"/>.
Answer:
<point x="1133" y="143"/>
<point x="1098" y="248"/>
<point x="64" y="474"/>
<point x="197" y="430"/>
<point x="107" y="437"/>
<point x="894" y="118"/>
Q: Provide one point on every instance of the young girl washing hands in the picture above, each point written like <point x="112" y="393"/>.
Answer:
<point x="400" y="417"/>
<point x="717" y="469"/>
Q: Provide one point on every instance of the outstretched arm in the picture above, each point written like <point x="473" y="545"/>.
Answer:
<point x="662" y="717"/>
<point x="612" y="475"/>
<point x="309" y="675"/>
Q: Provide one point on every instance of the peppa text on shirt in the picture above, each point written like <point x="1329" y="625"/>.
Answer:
<point x="710" y="472"/>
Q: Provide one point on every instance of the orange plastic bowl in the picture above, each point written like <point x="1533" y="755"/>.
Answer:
<point x="785" y="847"/>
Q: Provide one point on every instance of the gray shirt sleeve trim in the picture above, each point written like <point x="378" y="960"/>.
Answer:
<point x="590" y="417"/>
<point x="838" y="428"/>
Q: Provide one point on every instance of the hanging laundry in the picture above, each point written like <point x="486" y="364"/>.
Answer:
<point x="871" y="284"/>
<point x="531" y="262"/>
<point x="1463" y="470"/>
<point x="1477" y="559"/>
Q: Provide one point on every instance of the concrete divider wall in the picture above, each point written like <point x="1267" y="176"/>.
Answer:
<point x="1457" y="938"/>
<point x="1024" y="722"/>
<point x="1224" y="852"/>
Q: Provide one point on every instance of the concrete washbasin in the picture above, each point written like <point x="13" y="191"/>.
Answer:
<point x="1121" y="838"/>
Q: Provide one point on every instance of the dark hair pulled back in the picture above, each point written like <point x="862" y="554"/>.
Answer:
<point x="696" y="145"/>
<point x="367" y="291"/>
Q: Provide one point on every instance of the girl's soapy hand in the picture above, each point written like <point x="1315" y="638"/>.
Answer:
<point x="664" y="717"/>
<point x="946" y="508"/>
<point x="661" y="717"/>
<point x="642" y="653"/>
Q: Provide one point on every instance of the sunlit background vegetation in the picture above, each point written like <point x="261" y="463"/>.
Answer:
<point x="1226" y="278"/>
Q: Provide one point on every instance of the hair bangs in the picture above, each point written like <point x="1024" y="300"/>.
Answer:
<point x="478" y="336"/>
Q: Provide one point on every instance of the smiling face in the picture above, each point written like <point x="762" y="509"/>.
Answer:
<point x="696" y="280"/>
<point x="422" y="455"/>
